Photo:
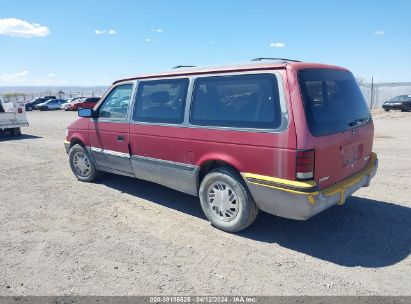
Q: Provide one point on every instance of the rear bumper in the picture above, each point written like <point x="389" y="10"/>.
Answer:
<point x="17" y="125"/>
<point x="300" y="201"/>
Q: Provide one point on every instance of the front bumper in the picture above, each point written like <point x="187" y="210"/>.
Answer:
<point x="300" y="201"/>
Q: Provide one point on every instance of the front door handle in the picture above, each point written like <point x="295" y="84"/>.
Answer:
<point x="120" y="138"/>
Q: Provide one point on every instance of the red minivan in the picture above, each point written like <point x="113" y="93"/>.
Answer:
<point x="284" y="137"/>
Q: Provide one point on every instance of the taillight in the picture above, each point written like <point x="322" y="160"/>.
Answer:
<point x="305" y="165"/>
<point x="19" y="110"/>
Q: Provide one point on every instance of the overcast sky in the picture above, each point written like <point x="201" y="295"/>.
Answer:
<point x="96" y="42"/>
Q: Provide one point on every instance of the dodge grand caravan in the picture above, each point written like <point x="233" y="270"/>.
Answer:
<point x="284" y="137"/>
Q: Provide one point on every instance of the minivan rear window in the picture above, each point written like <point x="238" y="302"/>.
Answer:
<point x="238" y="101"/>
<point x="332" y="101"/>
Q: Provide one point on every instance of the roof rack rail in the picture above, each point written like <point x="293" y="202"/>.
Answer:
<point x="183" y="66"/>
<point x="271" y="58"/>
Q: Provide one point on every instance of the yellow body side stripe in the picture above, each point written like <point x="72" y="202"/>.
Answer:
<point x="307" y="184"/>
<point x="339" y="187"/>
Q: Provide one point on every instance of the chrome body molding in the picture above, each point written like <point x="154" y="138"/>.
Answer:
<point x="179" y="176"/>
<point x="111" y="161"/>
<point x="166" y="163"/>
<point x="110" y="152"/>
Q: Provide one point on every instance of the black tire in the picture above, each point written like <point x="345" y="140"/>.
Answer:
<point x="16" y="132"/>
<point x="386" y="110"/>
<point x="30" y="108"/>
<point x="247" y="208"/>
<point x="92" y="173"/>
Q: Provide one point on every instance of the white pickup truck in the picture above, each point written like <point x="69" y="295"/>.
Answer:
<point x="12" y="117"/>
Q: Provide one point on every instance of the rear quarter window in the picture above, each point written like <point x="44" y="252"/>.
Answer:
<point x="239" y="101"/>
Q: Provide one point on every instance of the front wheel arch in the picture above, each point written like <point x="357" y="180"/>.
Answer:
<point x="77" y="141"/>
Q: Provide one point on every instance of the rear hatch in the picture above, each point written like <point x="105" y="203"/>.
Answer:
<point x="339" y="121"/>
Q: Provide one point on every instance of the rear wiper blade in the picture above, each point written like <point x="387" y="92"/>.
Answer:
<point x="358" y="121"/>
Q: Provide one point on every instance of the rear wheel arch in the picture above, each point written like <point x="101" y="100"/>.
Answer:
<point x="212" y="164"/>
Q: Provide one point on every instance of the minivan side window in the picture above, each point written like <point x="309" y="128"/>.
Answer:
<point x="161" y="101"/>
<point x="240" y="101"/>
<point x="116" y="104"/>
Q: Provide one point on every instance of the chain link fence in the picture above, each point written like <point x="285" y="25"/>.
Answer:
<point x="25" y="95"/>
<point x="376" y="94"/>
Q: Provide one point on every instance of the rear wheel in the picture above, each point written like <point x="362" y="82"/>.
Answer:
<point x="386" y="110"/>
<point x="226" y="200"/>
<point x="82" y="165"/>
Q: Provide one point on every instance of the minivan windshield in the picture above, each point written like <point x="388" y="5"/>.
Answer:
<point x="332" y="101"/>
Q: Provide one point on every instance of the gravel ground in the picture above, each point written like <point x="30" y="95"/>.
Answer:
<point x="124" y="236"/>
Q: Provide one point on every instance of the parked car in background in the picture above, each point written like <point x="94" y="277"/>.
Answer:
<point x="401" y="102"/>
<point x="12" y="117"/>
<point x="65" y="106"/>
<point x="288" y="138"/>
<point x="51" y="104"/>
<point x="31" y="105"/>
<point x="84" y="103"/>
<point x="50" y="97"/>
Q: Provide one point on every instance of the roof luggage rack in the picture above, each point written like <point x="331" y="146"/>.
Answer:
<point x="183" y="66"/>
<point x="276" y="59"/>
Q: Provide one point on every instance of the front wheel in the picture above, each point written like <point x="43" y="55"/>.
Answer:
<point x="82" y="165"/>
<point x="226" y="200"/>
<point x="30" y="108"/>
<point x="386" y="110"/>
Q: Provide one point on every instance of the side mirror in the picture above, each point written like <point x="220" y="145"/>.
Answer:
<point x="88" y="113"/>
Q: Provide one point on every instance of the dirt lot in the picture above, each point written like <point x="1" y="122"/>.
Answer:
<point x="123" y="236"/>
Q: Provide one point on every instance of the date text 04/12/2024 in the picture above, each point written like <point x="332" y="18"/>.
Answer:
<point x="203" y="299"/>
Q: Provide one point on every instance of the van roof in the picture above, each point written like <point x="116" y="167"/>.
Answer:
<point x="250" y="66"/>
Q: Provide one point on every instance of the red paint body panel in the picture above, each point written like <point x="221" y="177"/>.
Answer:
<point x="329" y="149"/>
<point x="271" y="154"/>
<point x="78" y="130"/>
<point x="262" y="153"/>
<point x="104" y="135"/>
